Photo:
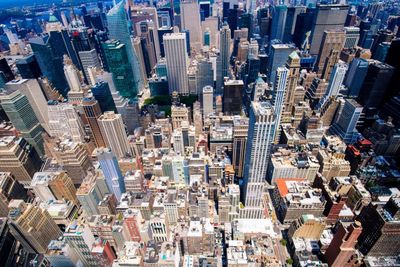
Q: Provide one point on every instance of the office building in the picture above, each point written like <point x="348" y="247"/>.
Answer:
<point x="258" y="148"/>
<point x="278" y="98"/>
<point x="101" y="91"/>
<point x="240" y="129"/>
<point x="177" y="60"/>
<point x="375" y="84"/>
<point x="10" y="189"/>
<point x="21" y="114"/>
<point x="6" y="70"/>
<point x="89" y="59"/>
<point x="293" y="66"/>
<point x="74" y="158"/>
<point x="118" y="29"/>
<point x="225" y="54"/>
<point x="92" y="113"/>
<point x="335" y="82"/>
<point x="233" y="92"/>
<point x="32" y="226"/>
<point x="19" y="158"/>
<point x="328" y="17"/>
<point x="277" y="58"/>
<point x="291" y="19"/>
<point x="355" y="76"/>
<point x="190" y="21"/>
<point x="380" y="224"/>
<point x="343" y="245"/>
<point x="278" y="22"/>
<point x="115" y="54"/>
<point x="346" y="121"/>
<point x="208" y="101"/>
<point x="112" y="172"/>
<point x="352" y="36"/>
<point x="28" y="67"/>
<point x="113" y="131"/>
<point x="331" y="44"/>
<point x="64" y="121"/>
<point x="32" y="90"/>
<point x="204" y="75"/>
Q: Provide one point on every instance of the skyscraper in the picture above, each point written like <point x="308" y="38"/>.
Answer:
<point x="112" y="172"/>
<point x="331" y="45"/>
<point x="190" y="20"/>
<point x="89" y="59"/>
<point x="352" y="37"/>
<point x="343" y="245"/>
<point x="19" y="158"/>
<point x="225" y="53"/>
<point x="278" y="22"/>
<point x="277" y="58"/>
<point x="23" y="117"/>
<point x="240" y="129"/>
<point x="355" y="76"/>
<point x="208" y="101"/>
<point x="92" y="113"/>
<point x="328" y="17"/>
<point x="375" y="85"/>
<point x="28" y="67"/>
<point x="113" y="131"/>
<point x="116" y="54"/>
<point x="32" y="226"/>
<point x="293" y="65"/>
<point x="32" y="90"/>
<point x="118" y="29"/>
<point x="176" y="57"/>
<point x="335" y="82"/>
<point x="278" y="98"/>
<point x="101" y="91"/>
<point x="346" y="121"/>
<point x="233" y="92"/>
<point x="258" y="147"/>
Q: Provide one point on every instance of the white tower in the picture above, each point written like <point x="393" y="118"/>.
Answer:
<point x="177" y="66"/>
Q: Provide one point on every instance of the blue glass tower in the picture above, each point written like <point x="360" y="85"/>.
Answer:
<point x="118" y="27"/>
<point x="112" y="172"/>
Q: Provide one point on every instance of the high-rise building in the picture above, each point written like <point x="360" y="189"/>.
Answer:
<point x="10" y="189"/>
<point x="32" y="90"/>
<point x="19" y="158"/>
<point x="346" y="121"/>
<point x="204" y="75"/>
<point x="331" y="44"/>
<point x="6" y="70"/>
<point x="190" y="20"/>
<point x="291" y="19"/>
<point x="278" y="22"/>
<point x="21" y="114"/>
<point x="381" y="229"/>
<point x="177" y="65"/>
<point x="352" y="35"/>
<point x="258" y="148"/>
<point x="112" y="172"/>
<point x="240" y="129"/>
<point x="208" y="101"/>
<point x="32" y="226"/>
<point x="101" y="91"/>
<point x="278" y="98"/>
<point x="355" y="76"/>
<point x="328" y="17"/>
<point x="277" y="58"/>
<point x="115" y="54"/>
<point x="293" y="66"/>
<point x="225" y="53"/>
<point x="118" y="29"/>
<point x="89" y="59"/>
<point x="233" y="92"/>
<point x="92" y="113"/>
<point x="113" y="131"/>
<point x="64" y="121"/>
<point x="28" y="67"/>
<point x="375" y="85"/>
<point x="335" y="82"/>
<point x="343" y="245"/>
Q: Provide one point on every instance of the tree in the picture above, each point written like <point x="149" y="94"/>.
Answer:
<point x="283" y="242"/>
<point x="289" y="261"/>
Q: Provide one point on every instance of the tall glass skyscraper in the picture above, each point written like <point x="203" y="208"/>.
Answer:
<point x="22" y="116"/>
<point x="116" y="53"/>
<point x="118" y="29"/>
